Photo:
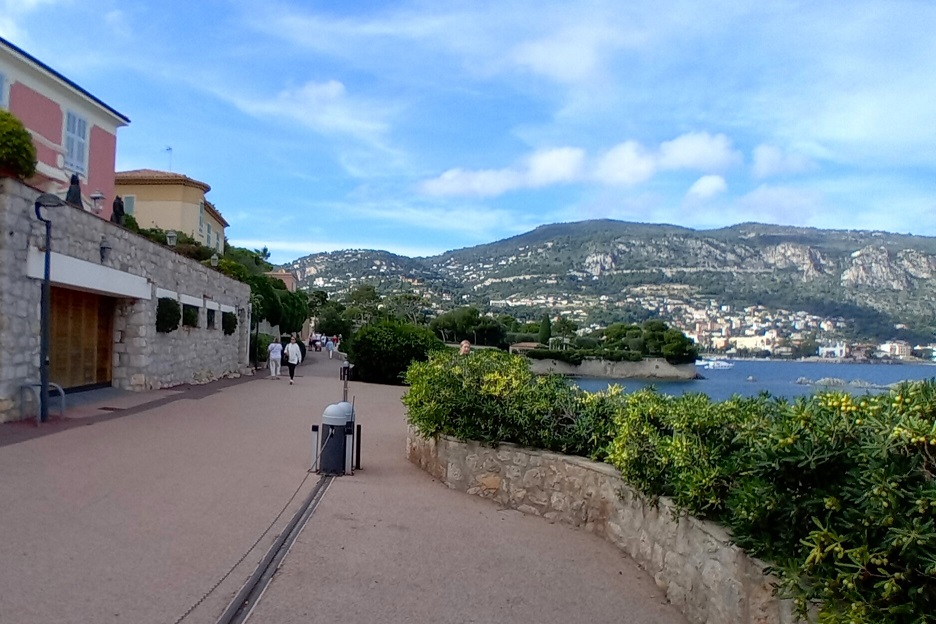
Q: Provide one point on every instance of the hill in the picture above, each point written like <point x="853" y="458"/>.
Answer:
<point x="865" y="282"/>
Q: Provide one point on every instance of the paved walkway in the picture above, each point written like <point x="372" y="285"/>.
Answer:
<point x="134" y="509"/>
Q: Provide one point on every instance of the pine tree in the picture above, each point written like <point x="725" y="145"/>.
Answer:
<point x="545" y="331"/>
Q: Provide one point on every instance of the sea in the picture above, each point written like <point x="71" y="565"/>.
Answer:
<point x="778" y="378"/>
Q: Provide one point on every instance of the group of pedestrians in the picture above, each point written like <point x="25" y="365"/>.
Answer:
<point x="330" y="343"/>
<point x="291" y="355"/>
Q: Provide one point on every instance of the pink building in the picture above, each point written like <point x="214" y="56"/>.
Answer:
<point x="73" y="131"/>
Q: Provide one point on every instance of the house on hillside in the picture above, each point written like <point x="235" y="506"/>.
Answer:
<point x="73" y="131"/>
<point x="287" y="277"/>
<point x="172" y="201"/>
<point x="106" y="281"/>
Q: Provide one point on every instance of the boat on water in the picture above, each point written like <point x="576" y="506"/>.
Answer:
<point x="715" y="364"/>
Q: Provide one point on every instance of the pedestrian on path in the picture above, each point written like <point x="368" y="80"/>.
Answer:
<point x="330" y="347"/>
<point x="275" y="356"/>
<point x="465" y="347"/>
<point x="293" y="357"/>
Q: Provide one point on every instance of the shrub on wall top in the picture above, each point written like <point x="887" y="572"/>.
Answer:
<point x="228" y="323"/>
<point x="168" y="315"/>
<point x="17" y="152"/>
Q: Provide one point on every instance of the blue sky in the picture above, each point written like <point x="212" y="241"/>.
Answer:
<point x="423" y="126"/>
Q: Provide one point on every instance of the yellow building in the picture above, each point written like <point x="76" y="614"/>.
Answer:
<point x="171" y="201"/>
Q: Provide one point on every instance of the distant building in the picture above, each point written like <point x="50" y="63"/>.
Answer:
<point x="838" y="350"/>
<point x="896" y="348"/>
<point x="288" y="278"/>
<point x="172" y="201"/>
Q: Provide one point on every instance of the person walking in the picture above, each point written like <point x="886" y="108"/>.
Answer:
<point x="330" y="347"/>
<point x="275" y="356"/>
<point x="293" y="357"/>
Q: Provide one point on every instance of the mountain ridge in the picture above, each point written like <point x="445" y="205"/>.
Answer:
<point x="589" y="269"/>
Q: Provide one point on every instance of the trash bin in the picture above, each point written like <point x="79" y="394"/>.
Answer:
<point x="335" y="420"/>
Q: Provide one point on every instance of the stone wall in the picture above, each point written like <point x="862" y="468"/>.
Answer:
<point x="142" y="358"/>
<point x="652" y="368"/>
<point x="704" y="575"/>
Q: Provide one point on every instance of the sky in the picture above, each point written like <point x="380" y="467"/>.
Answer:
<point x="419" y="127"/>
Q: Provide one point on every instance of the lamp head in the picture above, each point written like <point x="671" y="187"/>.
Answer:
<point x="47" y="200"/>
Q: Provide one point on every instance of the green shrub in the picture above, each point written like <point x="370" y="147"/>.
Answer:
<point x="381" y="352"/>
<point x="515" y="337"/>
<point x="130" y="222"/>
<point x="17" y="152"/>
<point x="260" y="345"/>
<point x="839" y="493"/>
<point x="189" y="316"/>
<point x="168" y="315"/>
<point x="228" y="323"/>
<point x="492" y="396"/>
<point x="567" y="356"/>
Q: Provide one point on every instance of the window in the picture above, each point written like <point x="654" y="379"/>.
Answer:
<point x="201" y="218"/>
<point x="3" y="91"/>
<point x="129" y="202"/>
<point x="208" y="238"/>
<point x="218" y="242"/>
<point x="76" y="143"/>
<point x="189" y="315"/>
<point x="211" y="319"/>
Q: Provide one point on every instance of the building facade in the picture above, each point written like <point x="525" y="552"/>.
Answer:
<point x="73" y="131"/>
<point x="171" y="201"/>
<point x="106" y="281"/>
<point x="106" y="285"/>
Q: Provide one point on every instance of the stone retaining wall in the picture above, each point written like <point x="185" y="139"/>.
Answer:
<point x="704" y="575"/>
<point x="651" y="368"/>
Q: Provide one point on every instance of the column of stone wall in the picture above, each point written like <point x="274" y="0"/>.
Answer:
<point x="19" y="297"/>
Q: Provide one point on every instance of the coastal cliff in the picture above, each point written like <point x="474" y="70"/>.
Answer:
<point x="655" y="368"/>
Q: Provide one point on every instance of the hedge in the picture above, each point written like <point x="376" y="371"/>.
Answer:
<point x="837" y="492"/>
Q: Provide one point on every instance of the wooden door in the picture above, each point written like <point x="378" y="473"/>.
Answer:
<point x="81" y="348"/>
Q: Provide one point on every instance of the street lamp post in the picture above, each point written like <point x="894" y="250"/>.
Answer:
<point x="46" y="200"/>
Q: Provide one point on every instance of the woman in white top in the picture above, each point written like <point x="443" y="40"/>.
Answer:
<point x="275" y="356"/>
<point x="293" y="357"/>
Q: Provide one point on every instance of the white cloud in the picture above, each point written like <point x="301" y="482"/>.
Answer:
<point x="11" y="12"/>
<point x="322" y="106"/>
<point x="554" y="166"/>
<point x="708" y="186"/>
<point x="483" y="183"/>
<point x="772" y="161"/>
<point x="700" y="151"/>
<point x="542" y="168"/>
<point x="569" y="56"/>
<point x="627" y="164"/>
